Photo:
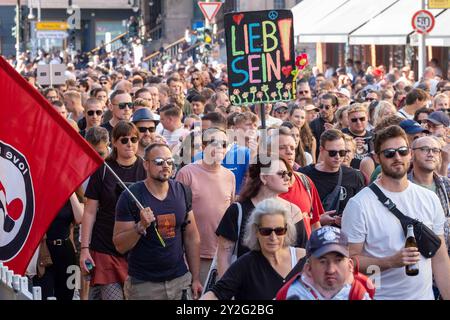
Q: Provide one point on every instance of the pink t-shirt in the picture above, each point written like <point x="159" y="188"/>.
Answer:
<point x="212" y="193"/>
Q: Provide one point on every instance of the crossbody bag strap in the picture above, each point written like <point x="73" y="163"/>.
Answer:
<point x="388" y="203"/>
<point x="239" y="223"/>
<point x="338" y="204"/>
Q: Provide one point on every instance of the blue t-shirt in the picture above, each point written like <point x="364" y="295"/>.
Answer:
<point x="149" y="260"/>
<point x="237" y="160"/>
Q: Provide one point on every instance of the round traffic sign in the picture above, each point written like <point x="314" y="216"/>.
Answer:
<point x="423" y="21"/>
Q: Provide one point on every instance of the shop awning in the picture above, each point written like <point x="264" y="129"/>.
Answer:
<point x="440" y="35"/>
<point x="391" y="27"/>
<point x="340" y="22"/>
<point x="309" y="13"/>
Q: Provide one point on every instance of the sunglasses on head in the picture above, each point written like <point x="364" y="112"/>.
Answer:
<point x="125" y="140"/>
<point x="390" y="153"/>
<point x="124" y="105"/>
<point x="333" y="153"/>
<point x="223" y="144"/>
<point x="279" y="231"/>
<point x="145" y="129"/>
<point x="90" y="113"/>
<point x="362" y="119"/>
<point x="283" y="174"/>
<point x="322" y="106"/>
<point x="160" y="161"/>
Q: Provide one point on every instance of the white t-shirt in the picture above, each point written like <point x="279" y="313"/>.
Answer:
<point x="403" y="114"/>
<point x="365" y="219"/>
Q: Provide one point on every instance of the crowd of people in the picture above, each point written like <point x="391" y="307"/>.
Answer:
<point x="281" y="212"/>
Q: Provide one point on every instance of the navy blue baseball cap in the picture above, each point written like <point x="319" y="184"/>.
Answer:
<point x="439" y="117"/>
<point x="144" y="114"/>
<point x="325" y="240"/>
<point x="412" y="127"/>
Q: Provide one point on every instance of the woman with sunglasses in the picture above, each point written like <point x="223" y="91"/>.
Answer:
<point x="298" y="117"/>
<point x="109" y="268"/>
<point x="260" y="273"/>
<point x="302" y="158"/>
<point x="263" y="181"/>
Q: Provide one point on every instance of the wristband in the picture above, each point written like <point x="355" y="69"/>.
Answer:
<point x="140" y="229"/>
<point x="84" y="248"/>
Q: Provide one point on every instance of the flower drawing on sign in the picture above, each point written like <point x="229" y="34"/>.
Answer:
<point x="286" y="94"/>
<point x="288" y="86"/>
<point x="273" y="95"/>
<point x="253" y="91"/>
<point x="237" y="98"/>
<point x="245" y="96"/>
<point x="279" y="86"/>
<point x="259" y="95"/>
<point x="236" y="91"/>
<point x="265" y="88"/>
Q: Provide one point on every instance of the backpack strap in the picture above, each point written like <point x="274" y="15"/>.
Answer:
<point x="188" y="203"/>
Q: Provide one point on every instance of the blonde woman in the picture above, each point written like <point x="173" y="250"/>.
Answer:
<point x="383" y="110"/>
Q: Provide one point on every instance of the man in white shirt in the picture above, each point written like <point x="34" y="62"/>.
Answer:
<point x="171" y="127"/>
<point x="415" y="99"/>
<point x="376" y="236"/>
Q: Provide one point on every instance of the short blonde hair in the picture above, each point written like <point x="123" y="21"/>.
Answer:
<point x="268" y="207"/>
<point x="349" y="140"/>
<point x="356" y="107"/>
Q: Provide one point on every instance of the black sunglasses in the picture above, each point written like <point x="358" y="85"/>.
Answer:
<point x="90" y="113"/>
<point x="145" y="129"/>
<point x="362" y="119"/>
<point x="279" y="231"/>
<point x="303" y="92"/>
<point x="160" y="161"/>
<point x="125" y="140"/>
<point x="333" y="153"/>
<point x="104" y="82"/>
<point x="283" y="174"/>
<point x="390" y="153"/>
<point x="422" y="121"/>
<point x="223" y="144"/>
<point x="370" y="99"/>
<point x="124" y="105"/>
<point x="322" y="106"/>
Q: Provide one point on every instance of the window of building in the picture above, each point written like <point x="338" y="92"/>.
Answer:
<point x="279" y="4"/>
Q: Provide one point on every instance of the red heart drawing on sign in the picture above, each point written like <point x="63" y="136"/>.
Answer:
<point x="286" y="70"/>
<point x="238" y="18"/>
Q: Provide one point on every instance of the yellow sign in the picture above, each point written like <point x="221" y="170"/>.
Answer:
<point x="52" y="25"/>
<point x="438" y="4"/>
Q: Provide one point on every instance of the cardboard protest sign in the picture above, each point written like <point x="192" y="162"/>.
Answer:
<point x="260" y="56"/>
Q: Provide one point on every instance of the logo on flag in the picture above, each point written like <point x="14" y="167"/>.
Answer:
<point x="16" y="201"/>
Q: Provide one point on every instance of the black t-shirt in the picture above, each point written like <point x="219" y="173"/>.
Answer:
<point x="82" y="123"/>
<point x="60" y="227"/>
<point x="364" y="150"/>
<point x="252" y="277"/>
<point x="108" y="127"/>
<point x="148" y="260"/>
<point x="325" y="182"/>
<point x="105" y="188"/>
<point x="228" y="226"/>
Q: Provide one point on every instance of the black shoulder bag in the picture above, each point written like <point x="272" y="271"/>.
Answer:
<point x="427" y="241"/>
<point x="333" y="200"/>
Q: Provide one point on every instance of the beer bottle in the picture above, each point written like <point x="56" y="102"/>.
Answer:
<point x="411" y="270"/>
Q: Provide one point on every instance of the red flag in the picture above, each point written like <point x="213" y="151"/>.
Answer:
<point x="42" y="161"/>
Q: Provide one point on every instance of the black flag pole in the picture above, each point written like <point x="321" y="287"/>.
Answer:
<point x="139" y="205"/>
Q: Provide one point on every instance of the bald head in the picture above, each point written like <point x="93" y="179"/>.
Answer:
<point x="427" y="141"/>
<point x="124" y="85"/>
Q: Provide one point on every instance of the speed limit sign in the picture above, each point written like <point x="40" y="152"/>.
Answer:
<point x="423" y="21"/>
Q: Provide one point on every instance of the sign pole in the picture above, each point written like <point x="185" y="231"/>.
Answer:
<point x="421" y="50"/>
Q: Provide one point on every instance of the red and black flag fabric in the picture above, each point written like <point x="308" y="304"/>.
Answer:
<point x="42" y="161"/>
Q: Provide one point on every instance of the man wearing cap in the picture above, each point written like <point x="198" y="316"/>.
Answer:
<point x="328" y="272"/>
<point x="311" y="112"/>
<point x="438" y="123"/>
<point x="146" y="124"/>
<point x="280" y="111"/>
<point x="413" y="130"/>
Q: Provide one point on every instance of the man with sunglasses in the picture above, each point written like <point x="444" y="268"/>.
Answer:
<point x="325" y="121"/>
<point x="146" y="124"/>
<point x="121" y="108"/>
<point x="213" y="189"/>
<point x="325" y="176"/>
<point x="157" y="272"/>
<point x="303" y="89"/>
<point x="426" y="153"/>
<point x="376" y="236"/>
<point x="93" y="113"/>
<point x="357" y="128"/>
